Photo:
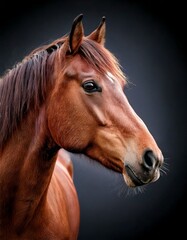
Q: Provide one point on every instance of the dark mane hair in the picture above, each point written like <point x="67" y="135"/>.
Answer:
<point x="24" y="87"/>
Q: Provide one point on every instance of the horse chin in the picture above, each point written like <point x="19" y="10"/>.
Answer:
<point x="133" y="179"/>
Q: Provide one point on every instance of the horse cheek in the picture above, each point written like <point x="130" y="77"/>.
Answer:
<point x="66" y="128"/>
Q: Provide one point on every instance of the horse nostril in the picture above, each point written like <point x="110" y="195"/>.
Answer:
<point x="149" y="160"/>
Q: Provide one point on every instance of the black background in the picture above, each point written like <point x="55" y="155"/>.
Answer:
<point x="148" y="38"/>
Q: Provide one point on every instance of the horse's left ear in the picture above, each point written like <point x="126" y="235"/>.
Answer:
<point x="76" y="34"/>
<point x="99" y="34"/>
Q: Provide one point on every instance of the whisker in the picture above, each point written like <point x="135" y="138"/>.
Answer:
<point x="165" y="167"/>
<point x="136" y="190"/>
<point x="124" y="191"/>
<point x="163" y="171"/>
<point x="120" y="188"/>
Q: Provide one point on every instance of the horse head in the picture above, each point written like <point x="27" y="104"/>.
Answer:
<point x="89" y="113"/>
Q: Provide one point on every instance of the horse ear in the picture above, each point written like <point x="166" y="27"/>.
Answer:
<point x="99" y="34"/>
<point x="76" y="34"/>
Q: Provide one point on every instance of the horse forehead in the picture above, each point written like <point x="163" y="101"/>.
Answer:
<point x="82" y="69"/>
<point x="77" y="65"/>
<point x="110" y="77"/>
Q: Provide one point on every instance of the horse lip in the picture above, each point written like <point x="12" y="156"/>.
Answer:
<point x="135" y="179"/>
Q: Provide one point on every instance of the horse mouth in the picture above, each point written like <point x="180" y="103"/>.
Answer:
<point x="134" y="178"/>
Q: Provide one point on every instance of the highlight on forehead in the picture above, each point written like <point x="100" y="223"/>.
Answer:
<point x="110" y="77"/>
<point x="101" y="59"/>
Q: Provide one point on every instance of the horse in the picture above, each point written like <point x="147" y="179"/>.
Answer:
<point x="65" y="96"/>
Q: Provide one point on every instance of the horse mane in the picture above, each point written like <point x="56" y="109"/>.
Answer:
<point x="24" y="87"/>
<point x="101" y="59"/>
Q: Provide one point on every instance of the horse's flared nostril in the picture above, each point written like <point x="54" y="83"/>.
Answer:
<point x="149" y="160"/>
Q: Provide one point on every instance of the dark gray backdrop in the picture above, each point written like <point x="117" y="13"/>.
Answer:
<point x="148" y="38"/>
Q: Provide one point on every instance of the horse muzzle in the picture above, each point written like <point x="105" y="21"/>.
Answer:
<point x="145" y="172"/>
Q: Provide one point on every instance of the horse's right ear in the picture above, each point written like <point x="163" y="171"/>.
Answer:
<point x="76" y="34"/>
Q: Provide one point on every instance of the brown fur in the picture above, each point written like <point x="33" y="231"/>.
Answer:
<point x="24" y="87"/>
<point x="44" y="107"/>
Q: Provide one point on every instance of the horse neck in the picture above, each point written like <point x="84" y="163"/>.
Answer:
<point x="27" y="163"/>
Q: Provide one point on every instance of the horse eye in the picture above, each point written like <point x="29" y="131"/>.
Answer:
<point x="91" y="86"/>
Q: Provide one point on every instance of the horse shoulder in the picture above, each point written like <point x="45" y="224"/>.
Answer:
<point x="64" y="160"/>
